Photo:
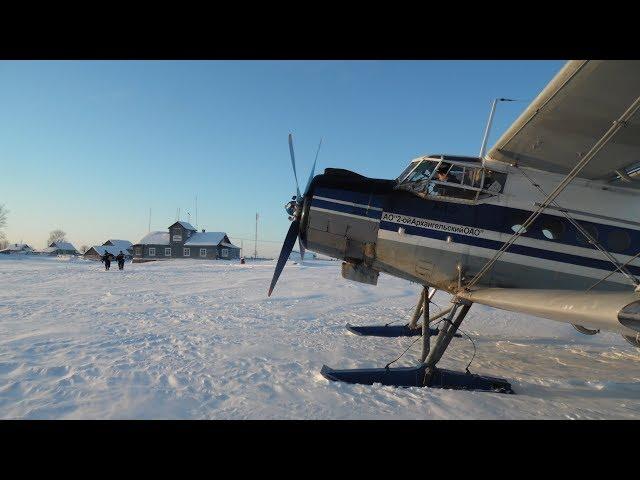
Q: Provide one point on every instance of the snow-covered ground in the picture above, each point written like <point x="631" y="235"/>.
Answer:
<point x="193" y="339"/>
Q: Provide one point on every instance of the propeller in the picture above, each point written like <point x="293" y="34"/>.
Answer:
<point x="306" y="189"/>
<point x="294" y="209"/>
<point x="293" y="163"/>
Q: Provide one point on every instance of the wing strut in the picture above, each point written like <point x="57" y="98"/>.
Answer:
<point x="617" y="125"/>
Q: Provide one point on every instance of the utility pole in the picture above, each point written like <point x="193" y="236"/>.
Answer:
<point x="255" y="248"/>
<point x="241" y="247"/>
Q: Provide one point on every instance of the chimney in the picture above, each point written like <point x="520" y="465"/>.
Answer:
<point x="203" y="230"/>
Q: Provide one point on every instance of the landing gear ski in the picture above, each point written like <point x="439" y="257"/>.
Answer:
<point x="425" y="374"/>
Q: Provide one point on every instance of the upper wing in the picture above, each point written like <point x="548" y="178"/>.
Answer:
<point x="571" y="114"/>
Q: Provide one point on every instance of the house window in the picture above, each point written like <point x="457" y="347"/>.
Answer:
<point x="167" y="252"/>
<point x="138" y="251"/>
<point x="152" y="252"/>
<point x="225" y="252"/>
<point x="203" y="252"/>
<point x="186" y="252"/>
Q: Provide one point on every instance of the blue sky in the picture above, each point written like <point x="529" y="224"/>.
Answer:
<point x="90" y="146"/>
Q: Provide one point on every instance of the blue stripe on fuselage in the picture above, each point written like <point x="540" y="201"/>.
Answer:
<point x="496" y="218"/>
<point x="515" y="248"/>
<point x="500" y="219"/>
<point x="350" y="196"/>
<point x="351" y="209"/>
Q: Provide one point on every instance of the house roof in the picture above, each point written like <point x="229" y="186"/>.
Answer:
<point x="60" y="246"/>
<point x="16" y="247"/>
<point x="155" y="238"/>
<point x="205" y="239"/>
<point x="55" y="249"/>
<point x="121" y="244"/>
<point x="230" y="245"/>
<point x="101" y="249"/>
<point x="186" y="225"/>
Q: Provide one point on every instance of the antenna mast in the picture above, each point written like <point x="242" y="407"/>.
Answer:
<point x="487" y="129"/>
<point x="255" y="247"/>
<point x="149" y="220"/>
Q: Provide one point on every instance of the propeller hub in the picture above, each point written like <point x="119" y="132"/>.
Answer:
<point x="293" y="209"/>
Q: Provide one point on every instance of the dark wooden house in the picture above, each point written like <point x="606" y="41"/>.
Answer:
<point x="184" y="241"/>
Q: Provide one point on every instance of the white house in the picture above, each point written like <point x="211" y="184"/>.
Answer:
<point x="17" y="248"/>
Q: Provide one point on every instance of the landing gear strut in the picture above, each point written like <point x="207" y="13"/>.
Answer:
<point x="426" y="374"/>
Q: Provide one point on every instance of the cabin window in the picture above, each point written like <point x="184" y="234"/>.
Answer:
<point x="517" y="223"/>
<point x="138" y="250"/>
<point x="552" y="228"/>
<point x="225" y="252"/>
<point x="203" y="252"/>
<point x="618" y="240"/>
<point x="167" y="252"/>
<point x="186" y="252"/>
<point x="152" y="252"/>
<point x="591" y="230"/>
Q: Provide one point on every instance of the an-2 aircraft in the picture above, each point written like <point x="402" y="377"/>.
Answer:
<point x="546" y="223"/>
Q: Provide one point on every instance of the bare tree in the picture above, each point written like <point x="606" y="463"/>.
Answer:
<point x="83" y="249"/>
<point x="56" y="236"/>
<point x="3" y="244"/>
<point x="3" y="220"/>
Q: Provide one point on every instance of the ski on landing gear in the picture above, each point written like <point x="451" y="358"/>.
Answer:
<point x="418" y="377"/>
<point x="411" y="329"/>
<point x="390" y="331"/>
<point x="425" y="374"/>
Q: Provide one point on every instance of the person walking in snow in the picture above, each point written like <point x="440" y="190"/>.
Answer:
<point x="106" y="259"/>
<point x="120" y="259"/>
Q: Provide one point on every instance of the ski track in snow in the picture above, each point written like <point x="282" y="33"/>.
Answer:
<point x="191" y="339"/>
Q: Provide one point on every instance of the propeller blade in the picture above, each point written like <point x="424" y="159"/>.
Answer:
<point x="313" y="168"/>
<point x="287" y="246"/>
<point x="293" y="163"/>
<point x="301" y="249"/>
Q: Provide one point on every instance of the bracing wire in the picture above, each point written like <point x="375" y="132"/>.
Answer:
<point x="474" y="350"/>
<point x="411" y="345"/>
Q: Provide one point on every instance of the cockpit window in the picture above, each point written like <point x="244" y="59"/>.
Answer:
<point x="422" y="172"/>
<point x="407" y="170"/>
<point x="463" y="180"/>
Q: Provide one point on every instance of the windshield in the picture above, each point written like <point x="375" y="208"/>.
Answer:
<point x="440" y="178"/>
<point x="423" y="172"/>
<point x="406" y="171"/>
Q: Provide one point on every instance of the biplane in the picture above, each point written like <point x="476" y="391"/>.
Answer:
<point x="547" y="223"/>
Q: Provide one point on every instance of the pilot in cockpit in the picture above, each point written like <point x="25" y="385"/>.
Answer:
<point x="442" y="175"/>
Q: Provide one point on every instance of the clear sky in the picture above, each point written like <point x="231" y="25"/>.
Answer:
<point x="90" y="146"/>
